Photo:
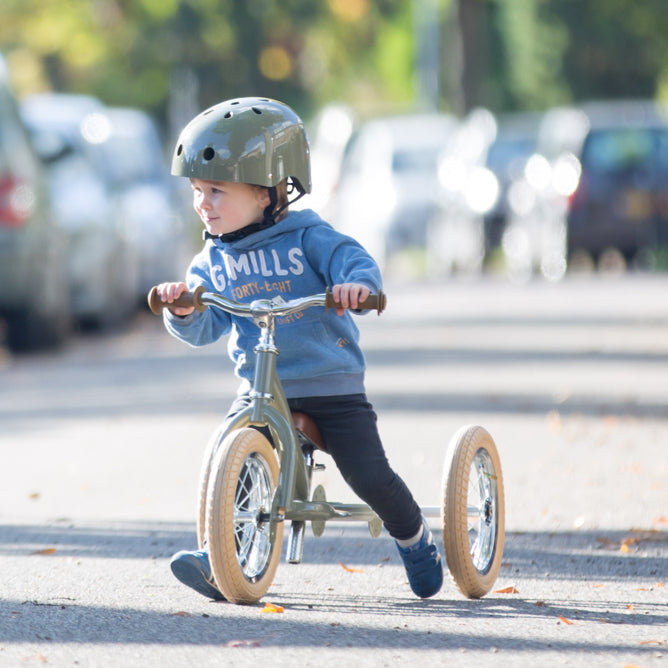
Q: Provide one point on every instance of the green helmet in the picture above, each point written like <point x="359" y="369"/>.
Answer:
<point x="246" y="140"/>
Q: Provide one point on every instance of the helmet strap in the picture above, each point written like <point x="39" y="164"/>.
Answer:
<point x="269" y="213"/>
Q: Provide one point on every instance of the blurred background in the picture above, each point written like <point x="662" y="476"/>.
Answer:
<point x="526" y="139"/>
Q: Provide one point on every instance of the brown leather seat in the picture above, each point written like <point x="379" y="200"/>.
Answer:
<point x="307" y="426"/>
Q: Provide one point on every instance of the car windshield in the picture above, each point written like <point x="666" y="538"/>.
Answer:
<point x="419" y="160"/>
<point x="612" y="151"/>
<point x="504" y="151"/>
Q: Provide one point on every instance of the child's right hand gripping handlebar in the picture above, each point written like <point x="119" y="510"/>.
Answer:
<point x="374" y="302"/>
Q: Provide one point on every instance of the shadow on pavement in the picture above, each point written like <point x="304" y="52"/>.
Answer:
<point x="387" y="620"/>
<point x="597" y="556"/>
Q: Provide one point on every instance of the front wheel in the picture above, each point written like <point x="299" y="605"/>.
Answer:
<point x="243" y="550"/>
<point x="214" y="444"/>
<point x="473" y="511"/>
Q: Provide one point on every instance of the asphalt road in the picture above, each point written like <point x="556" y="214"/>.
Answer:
<point x="101" y="451"/>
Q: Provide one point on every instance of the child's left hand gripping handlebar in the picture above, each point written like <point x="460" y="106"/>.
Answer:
<point x="375" y="302"/>
<point x="187" y="299"/>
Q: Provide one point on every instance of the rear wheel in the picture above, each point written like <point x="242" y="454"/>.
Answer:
<point x="244" y="545"/>
<point x="473" y="511"/>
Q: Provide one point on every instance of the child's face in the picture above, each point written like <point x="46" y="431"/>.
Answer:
<point x="225" y="206"/>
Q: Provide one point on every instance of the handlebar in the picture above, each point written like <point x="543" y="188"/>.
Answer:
<point x="199" y="299"/>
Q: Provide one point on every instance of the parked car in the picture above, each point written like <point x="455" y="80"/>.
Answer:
<point x="594" y="190"/>
<point x="621" y="199"/>
<point x="34" y="299"/>
<point x="466" y="191"/>
<point x="388" y="182"/>
<point x="137" y="170"/>
<point x="513" y="144"/>
<point x="102" y="264"/>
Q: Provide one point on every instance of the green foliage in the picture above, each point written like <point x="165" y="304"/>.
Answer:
<point x="533" y="48"/>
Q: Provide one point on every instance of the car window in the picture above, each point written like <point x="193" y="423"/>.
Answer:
<point x="14" y="144"/>
<point x="620" y="149"/>
<point x="419" y="160"/>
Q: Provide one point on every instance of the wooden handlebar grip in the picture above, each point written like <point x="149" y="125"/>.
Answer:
<point x="371" y="303"/>
<point x="187" y="299"/>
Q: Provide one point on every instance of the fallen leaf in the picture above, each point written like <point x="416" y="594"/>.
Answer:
<point x="661" y="520"/>
<point x="630" y="607"/>
<point x="46" y="551"/>
<point x="654" y="642"/>
<point x="270" y="607"/>
<point x="34" y="496"/>
<point x="242" y="643"/>
<point x="564" y="620"/>
<point x="624" y="548"/>
<point x="180" y="613"/>
<point x="541" y="604"/>
<point x="349" y="569"/>
<point x="598" y="586"/>
<point x="385" y="559"/>
<point x="507" y="590"/>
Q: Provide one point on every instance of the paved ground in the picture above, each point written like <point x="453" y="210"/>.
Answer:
<point x="102" y="445"/>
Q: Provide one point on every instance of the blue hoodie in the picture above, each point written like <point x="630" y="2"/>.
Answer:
<point x="299" y="256"/>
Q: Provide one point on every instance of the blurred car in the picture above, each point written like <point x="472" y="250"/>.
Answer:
<point x="621" y="199"/>
<point x="388" y="182"/>
<point x="513" y="144"/>
<point x="67" y="131"/>
<point x="595" y="189"/>
<point x="34" y="299"/>
<point x="466" y="192"/>
<point x="136" y="168"/>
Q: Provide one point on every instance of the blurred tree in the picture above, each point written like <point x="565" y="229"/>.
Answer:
<point x="617" y="48"/>
<point x="533" y="54"/>
<point x="134" y="52"/>
<point x="174" y="57"/>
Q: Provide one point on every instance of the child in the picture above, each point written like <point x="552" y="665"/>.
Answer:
<point x="244" y="158"/>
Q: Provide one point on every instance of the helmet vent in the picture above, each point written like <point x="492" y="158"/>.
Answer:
<point x="179" y="150"/>
<point x="256" y="110"/>
<point x="208" y="153"/>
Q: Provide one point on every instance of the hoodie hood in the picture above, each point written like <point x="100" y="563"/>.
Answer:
<point x="295" y="220"/>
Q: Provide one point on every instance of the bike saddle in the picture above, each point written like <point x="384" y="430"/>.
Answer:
<point x="309" y="428"/>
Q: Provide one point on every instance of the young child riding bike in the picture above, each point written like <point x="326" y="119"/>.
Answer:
<point x="245" y="159"/>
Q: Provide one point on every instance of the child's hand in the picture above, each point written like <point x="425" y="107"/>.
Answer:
<point x="349" y="295"/>
<point x="169" y="292"/>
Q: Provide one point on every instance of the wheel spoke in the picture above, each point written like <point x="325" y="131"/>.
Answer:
<point x="481" y="509"/>
<point x="253" y="497"/>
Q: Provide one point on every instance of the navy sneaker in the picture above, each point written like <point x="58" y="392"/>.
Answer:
<point x="423" y="565"/>
<point x="194" y="570"/>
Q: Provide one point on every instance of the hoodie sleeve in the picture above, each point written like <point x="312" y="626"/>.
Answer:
<point x="199" y="329"/>
<point x="339" y="258"/>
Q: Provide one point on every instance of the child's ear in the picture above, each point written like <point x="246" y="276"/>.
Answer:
<point x="263" y="198"/>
